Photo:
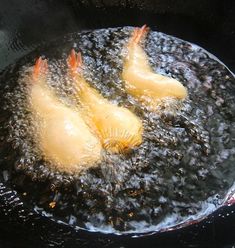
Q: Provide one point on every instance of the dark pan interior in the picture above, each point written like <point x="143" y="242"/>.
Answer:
<point x="209" y="24"/>
<point x="26" y="23"/>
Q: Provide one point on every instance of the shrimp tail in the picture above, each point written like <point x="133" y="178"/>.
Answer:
<point x="40" y="68"/>
<point x="138" y="34"/>
<point x="75" y="62"/>
<point x="75" y="65"/>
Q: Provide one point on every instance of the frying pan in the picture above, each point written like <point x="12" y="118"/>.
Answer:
<point x="25" y="24"/>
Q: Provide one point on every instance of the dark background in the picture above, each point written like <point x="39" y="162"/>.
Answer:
<point x="208" y="23"/>
<point x="26" y="23"/>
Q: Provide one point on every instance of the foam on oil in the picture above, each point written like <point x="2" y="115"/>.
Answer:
<point x="181" y="171"/>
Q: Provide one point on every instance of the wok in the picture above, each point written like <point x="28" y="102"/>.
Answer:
<point x="25" y="24"/>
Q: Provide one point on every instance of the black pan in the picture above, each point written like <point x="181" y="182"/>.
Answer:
<point x="26" y="23"/>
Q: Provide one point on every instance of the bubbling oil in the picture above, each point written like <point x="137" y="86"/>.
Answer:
<point x="182" y="169"/>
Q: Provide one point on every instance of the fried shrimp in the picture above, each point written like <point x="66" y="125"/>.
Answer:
<point x="117" y="127"/>
<point x="140" y="80"/>
<point x="63" y="137"/>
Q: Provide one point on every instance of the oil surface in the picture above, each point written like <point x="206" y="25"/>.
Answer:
<point x="183" y="168"/>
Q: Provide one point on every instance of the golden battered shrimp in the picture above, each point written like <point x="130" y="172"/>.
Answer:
<point x="118" y="128"/>
<point x="64" y="139"/>
<point x="141" y="81"/>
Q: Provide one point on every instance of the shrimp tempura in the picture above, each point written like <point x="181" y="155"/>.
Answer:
<point x="64" y="139"/>
<point x="118" y="128"/>
<point x="141" y="81"/>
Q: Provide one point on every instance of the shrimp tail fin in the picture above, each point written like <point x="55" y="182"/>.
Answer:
<point x="75" y="65"/>
<point x="40" y="68"/>
<point x="139" y="34"/>
<point x="75" y="62"/>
